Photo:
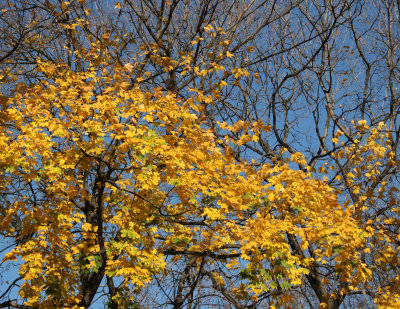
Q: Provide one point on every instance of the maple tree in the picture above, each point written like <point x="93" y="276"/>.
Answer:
<point x="134" y="162"/>
<point x="107" y="179"/>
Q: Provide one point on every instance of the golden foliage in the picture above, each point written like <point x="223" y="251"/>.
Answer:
<point x="121" y="176"/>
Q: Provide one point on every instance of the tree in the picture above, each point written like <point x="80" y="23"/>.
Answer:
<point x="107" y="179"/>
<point x="263" y="77"/>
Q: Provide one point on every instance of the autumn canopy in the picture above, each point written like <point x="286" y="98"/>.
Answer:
<point x="140" y="171"/>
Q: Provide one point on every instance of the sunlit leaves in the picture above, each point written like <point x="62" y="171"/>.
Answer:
<point x="114" y="177"/>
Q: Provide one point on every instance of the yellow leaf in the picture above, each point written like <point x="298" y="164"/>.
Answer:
<point x="250" y="49"/>
<point x="208" y="28"/>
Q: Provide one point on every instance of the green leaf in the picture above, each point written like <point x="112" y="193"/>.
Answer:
<point x="265" y="274"/>
<point x="285" y="285"/>
<point x="173" y="182"/>
<point x="248" y="195"/>
<point x="286" y="264"/>
<point x="337" y="249"/>
<point x="353" y="263"/>
<point x="10" y="169"/>
<point x="297" y="208"/>
<point x="265" y="287"/>
<point x="181" y="241"/>
<point x="140" y="156"/>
